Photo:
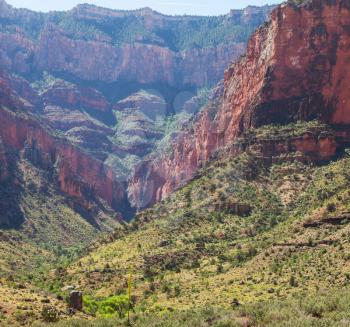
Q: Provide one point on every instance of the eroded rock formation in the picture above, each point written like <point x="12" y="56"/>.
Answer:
<point x="66" y="75"/>
<point x="79" y="174"/>
<point x="141" y="46"/>
<point x="295" y="68"/>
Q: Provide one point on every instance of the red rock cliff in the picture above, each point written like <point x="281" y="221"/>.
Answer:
<point x="295" y="68"/>
<point x="79" y="174"/>
<point x="72" y="96"/>
<point x="86" y="45"/>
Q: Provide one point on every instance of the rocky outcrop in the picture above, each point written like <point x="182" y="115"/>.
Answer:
<point x="64" y="119"/>
<point x="90" y="138"/>
<point x="156" y="179"/>
<point x="295" y="68"/>
<point x="139" y="120"/>
<point x="8" y="96"/>
<point x="78" y="174"/>
<point x="76" y="300"/>
<point x="150" y="49"/>
<point x="68" y="95"/>
<point x="313" y="146"/>
<point x="105" y="62"/>
<point x="152" y="105"/>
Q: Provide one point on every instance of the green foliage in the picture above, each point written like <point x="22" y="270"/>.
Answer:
<point x="111" y="306"/>
<point x="49" y="314"/>
<point x="177" y="33"/>
<point x="284" y="131"/>
<point x="197" y="249"/>
<point x="325" y="309"/>
<point x="46" y="82"/>
<point x="296" y="2"/>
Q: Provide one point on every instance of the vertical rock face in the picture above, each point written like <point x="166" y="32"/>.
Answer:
<point x="72" y="96"/>
<point x="97" y="44"/>
<point x="105" y="62"/>
<point x="295" y="68"/>
<point x="79" y="174"/>
<point x="66" y="73"/>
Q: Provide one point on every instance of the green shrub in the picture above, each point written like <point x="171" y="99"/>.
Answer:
<point x="49" y="314"/>
<point x="108" y="307"/>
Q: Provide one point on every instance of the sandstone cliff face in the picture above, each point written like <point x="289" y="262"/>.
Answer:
<point x="98" y="44"/>
<point x="96" y="60"/>
<point x="69" y="71"/>
<point x="293" y="70"/>
<point x="101" y="61"/>
<point x="296" y="68"/>
<point x="78" y="174"/>
<point x="72" y="96"/>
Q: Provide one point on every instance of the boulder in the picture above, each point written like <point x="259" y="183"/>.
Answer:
<point x="76" y="300"/>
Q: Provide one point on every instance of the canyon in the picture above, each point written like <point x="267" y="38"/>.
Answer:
<point x="293" y="70"/>
<point x="86" y="43"/>
<point x="184" y="165"/>
<point x="78" y="100"/>
<point x="108" y="133"/>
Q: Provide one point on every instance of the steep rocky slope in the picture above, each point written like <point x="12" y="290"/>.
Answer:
<point x="52" y="204"/>
<point x="240" y="232"/>
<point x="79" y="174"/>
<point x="254" y="191"/>
<point x="83" y="75"/>
<point x="79" y="108"/>
<point x="295" y="68"/>
<point x="98" y="44"/>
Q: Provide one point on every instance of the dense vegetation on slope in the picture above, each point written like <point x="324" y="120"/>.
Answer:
<point x="179" y="34"/>
<point x="240" y="233"/>
<point x="327" y="309"/>
<point x="49" y="232"/>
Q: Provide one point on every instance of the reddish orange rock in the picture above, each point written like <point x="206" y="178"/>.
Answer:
<point x="69" y="95"/>
<point x="79" y="174"/>
<point x="296" y="68"/>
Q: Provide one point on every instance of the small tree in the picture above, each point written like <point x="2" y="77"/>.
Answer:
<point x="292" y="281"/>
<point x="49" y="314"/>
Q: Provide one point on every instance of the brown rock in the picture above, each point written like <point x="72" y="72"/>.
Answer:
<point x="97" y="57"/>
<point x="76" y="300"/>
<point x="79" y="174"/>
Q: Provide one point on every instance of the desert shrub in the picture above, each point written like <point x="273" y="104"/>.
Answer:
<point x="220" y="269"/>
<point x="111" y="306"/>
<point x="331" y="207"/>
<point x="292" y="281"/>
<point x="318" y="310"/>
<point x="49" y="314"/>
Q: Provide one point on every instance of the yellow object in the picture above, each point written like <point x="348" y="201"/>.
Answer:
<point x="129" y="294"/>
